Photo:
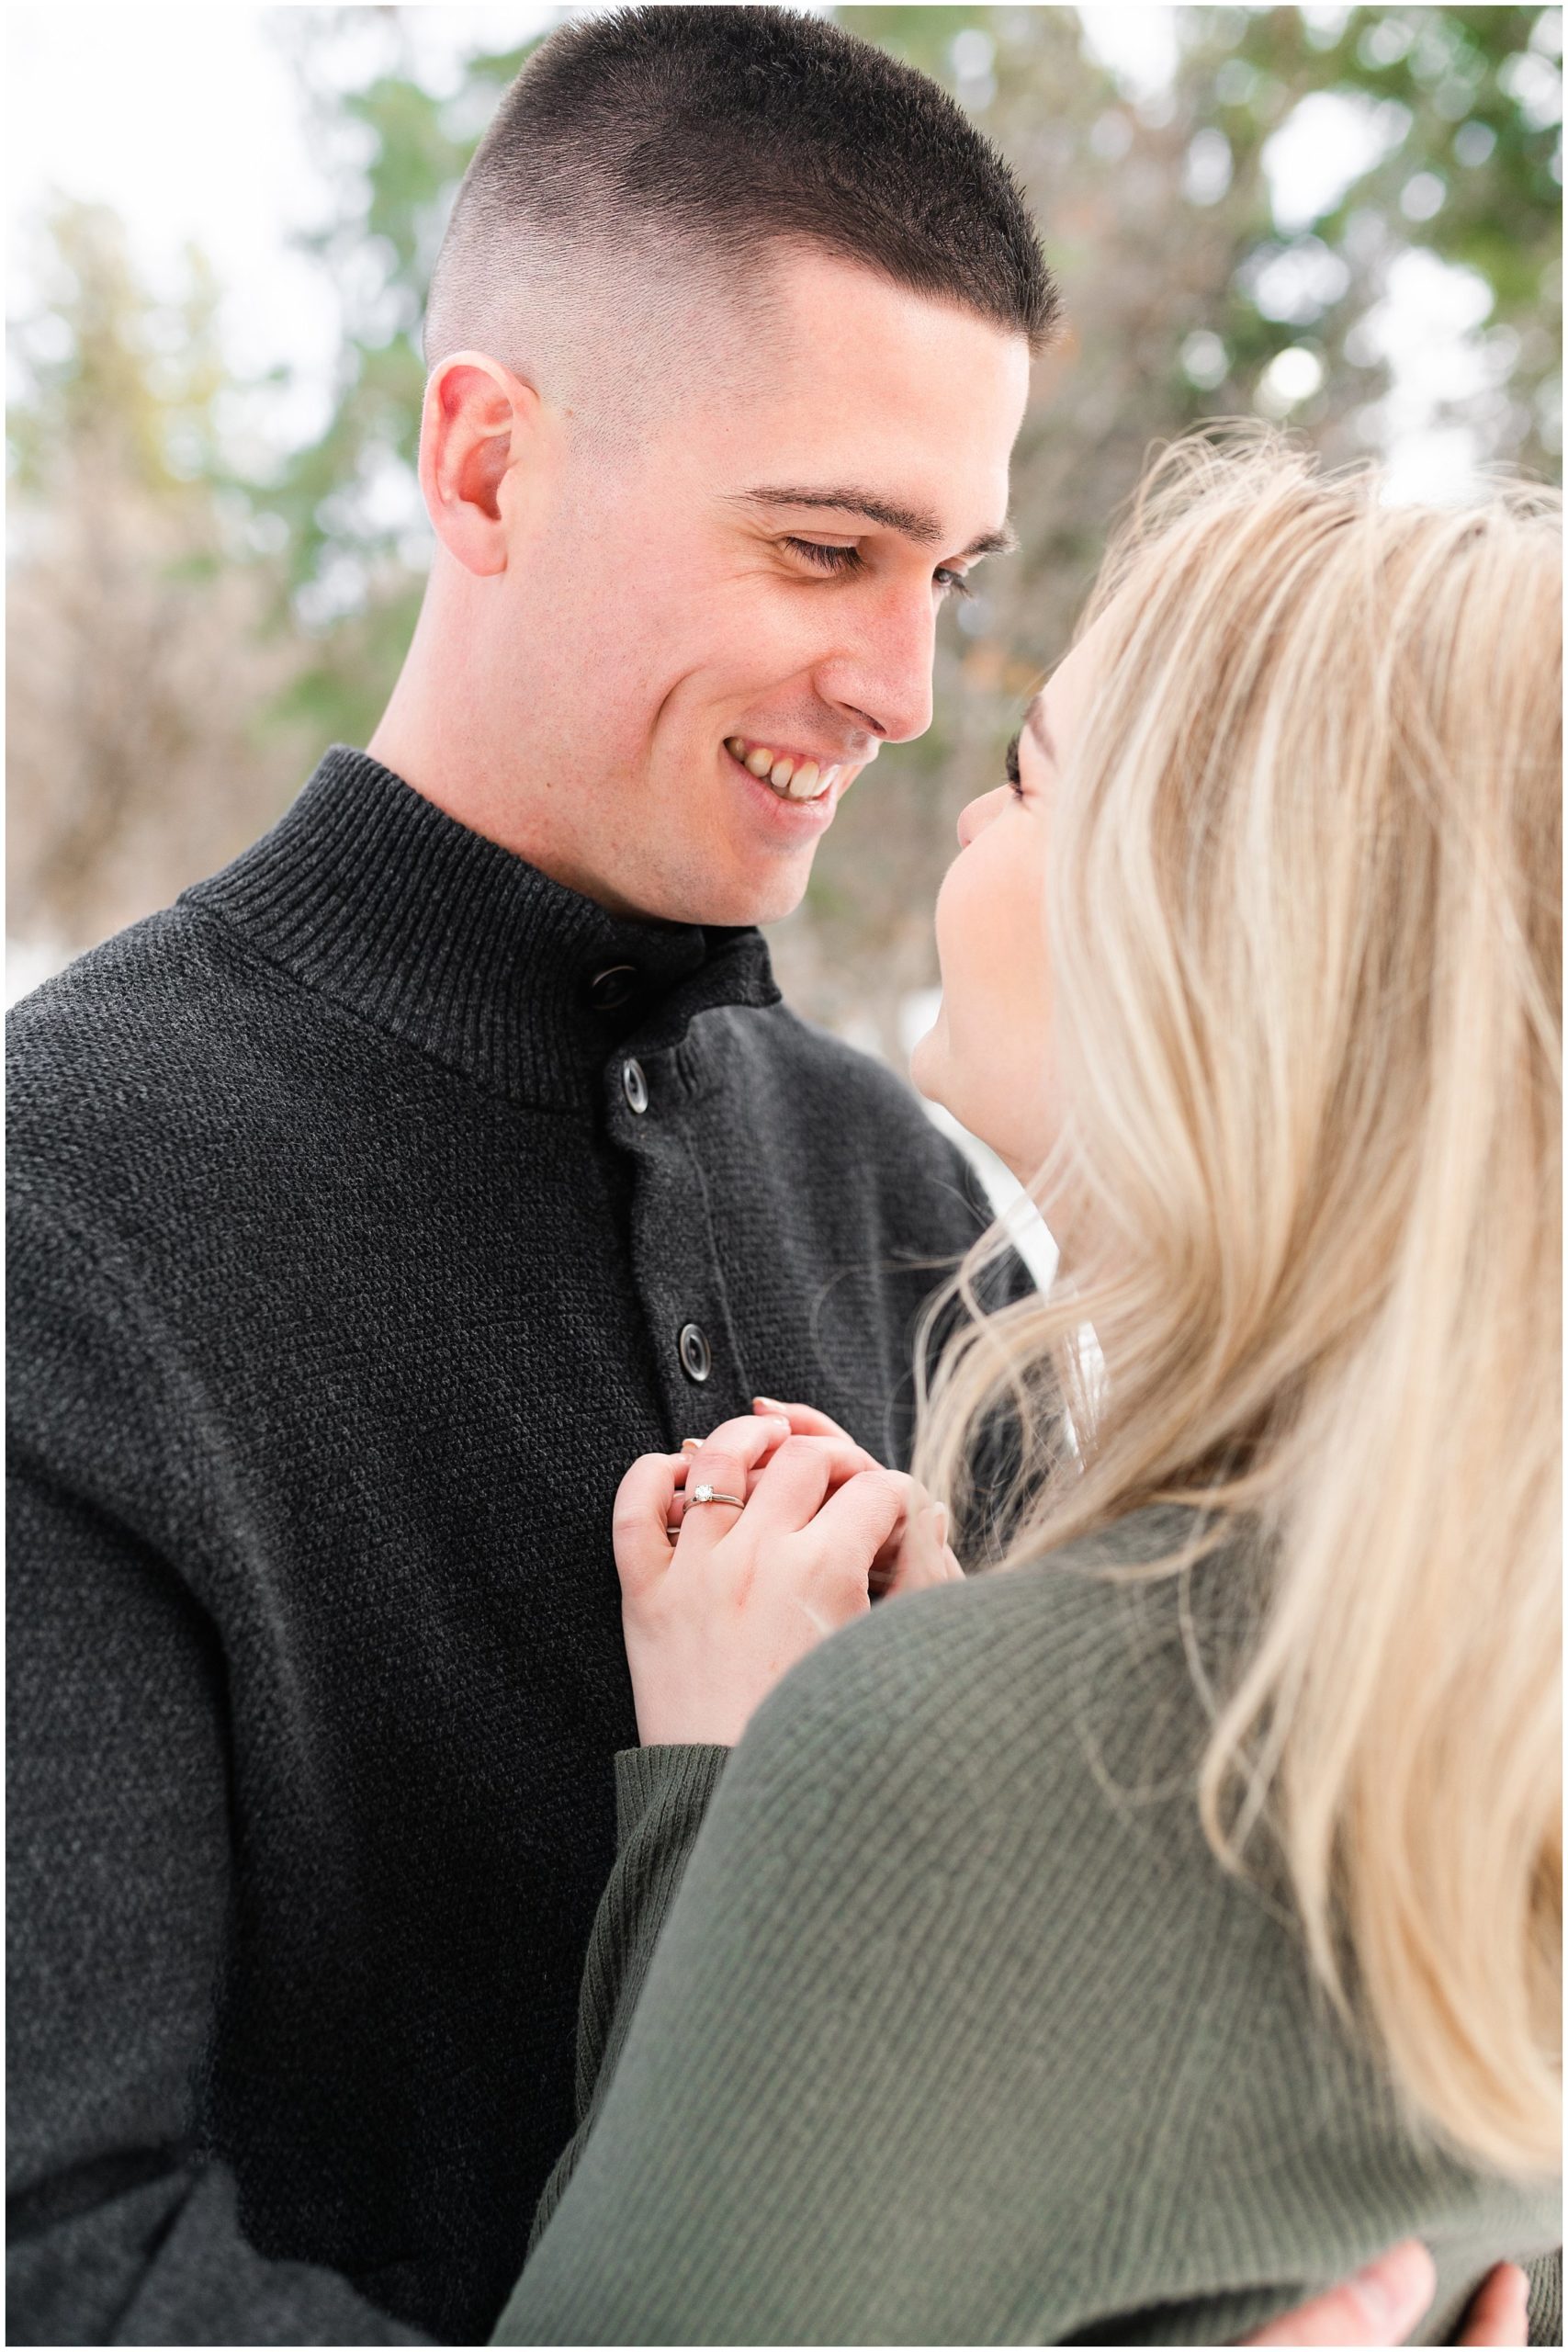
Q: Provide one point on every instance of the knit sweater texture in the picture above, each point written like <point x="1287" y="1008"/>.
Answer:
<point x="370" y="1209"/>
<point x="934" y="2020"/>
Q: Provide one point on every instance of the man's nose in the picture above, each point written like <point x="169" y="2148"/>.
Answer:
<point x="884" y="672"/>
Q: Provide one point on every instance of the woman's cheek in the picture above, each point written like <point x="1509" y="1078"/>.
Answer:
<point x="931" y="1058"/>
<point x="961" y="913"/>
<point x="997" y="991"/>
<point x="952" y="1066"/>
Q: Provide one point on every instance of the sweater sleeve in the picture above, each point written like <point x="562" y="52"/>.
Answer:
<point x="662" y="1797"/>
<point x="122" y="2228"/>
<point x="812" y="2123"/>
<point x="1546" y="2299"/>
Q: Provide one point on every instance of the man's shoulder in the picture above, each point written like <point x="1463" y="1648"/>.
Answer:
<point x="160" y="1030"/>
<point x="850" y="1146"/>
<point x="830" y="1087"/>
<point x="818" y="1057"/>
<point x="148" y="992"/>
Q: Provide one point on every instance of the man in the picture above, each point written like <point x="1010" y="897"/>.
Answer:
<point x="373" y="1205"/>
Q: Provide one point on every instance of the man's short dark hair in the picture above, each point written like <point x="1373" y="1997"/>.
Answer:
<point x="723" y="130"/>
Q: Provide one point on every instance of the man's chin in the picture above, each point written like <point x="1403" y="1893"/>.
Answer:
<point x="735" y="902"/>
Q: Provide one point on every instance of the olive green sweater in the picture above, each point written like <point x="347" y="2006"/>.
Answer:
<point x="956" y="2034"/>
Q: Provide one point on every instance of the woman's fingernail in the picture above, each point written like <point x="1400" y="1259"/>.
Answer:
<point x="691" y="1445"/>
<point x="766" y="1405"/>
<point x="940" y="1523"/>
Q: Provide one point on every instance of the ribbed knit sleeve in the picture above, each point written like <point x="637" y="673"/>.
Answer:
<point x="954" y="2034"/>
<point x="1546" y="2300"/>
<point x="662" y="1797"/>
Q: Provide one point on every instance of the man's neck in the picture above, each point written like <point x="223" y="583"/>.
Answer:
<point x="442" y="753"/>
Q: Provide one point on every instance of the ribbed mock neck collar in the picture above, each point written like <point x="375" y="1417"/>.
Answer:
<point x="370" y="894"/>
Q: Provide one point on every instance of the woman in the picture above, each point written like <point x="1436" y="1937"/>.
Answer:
<point x="1106" y="1948"/>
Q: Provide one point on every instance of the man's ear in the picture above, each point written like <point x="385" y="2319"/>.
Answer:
<point x="477" y="420"/>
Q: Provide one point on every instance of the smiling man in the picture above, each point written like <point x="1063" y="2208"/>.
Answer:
<point x="375" y="1204"/>
<point x="712" y="598"/>
<point x="678" y="604"/>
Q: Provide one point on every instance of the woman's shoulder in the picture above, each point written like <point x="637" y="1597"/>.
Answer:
<point x="1029" y="1737"/>
<point x="999" y="1777"/>
<point x="1077" y="1669"/>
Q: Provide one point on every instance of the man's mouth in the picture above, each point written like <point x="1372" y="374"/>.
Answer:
<point x="791" y="776"/>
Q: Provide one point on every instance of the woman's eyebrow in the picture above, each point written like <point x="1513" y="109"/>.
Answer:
<point x="910" y="522"/>
<point x="1035" y="722"/>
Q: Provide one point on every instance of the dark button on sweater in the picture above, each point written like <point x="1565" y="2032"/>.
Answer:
<point x="614" y="986"/>
<point x="345" y="1281"/>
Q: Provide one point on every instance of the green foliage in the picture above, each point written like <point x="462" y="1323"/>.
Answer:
<point x="1461" y="76"/>
<point x="101" y="363"/>
<point x="347" y="500"/>
<point x="922" y="37"/>
<point x="1452" y="69"/>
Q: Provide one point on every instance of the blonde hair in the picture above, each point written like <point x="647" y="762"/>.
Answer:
<point x="1306" y="932"/>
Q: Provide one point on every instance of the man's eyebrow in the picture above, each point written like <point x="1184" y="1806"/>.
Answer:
<point x="910" y="522"/>
<point x="1034" y="719"/>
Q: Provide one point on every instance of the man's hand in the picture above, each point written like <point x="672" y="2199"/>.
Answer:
<point x="1384" y="2303"/>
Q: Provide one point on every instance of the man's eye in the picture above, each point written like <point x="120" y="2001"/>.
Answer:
<point x="826" y="558"/>
<point x="841" y="562"/>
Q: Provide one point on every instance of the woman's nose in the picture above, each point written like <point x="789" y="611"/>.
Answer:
<point x="977" y="815"/>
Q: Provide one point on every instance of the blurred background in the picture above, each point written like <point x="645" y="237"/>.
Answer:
<point x="222" y="219"/>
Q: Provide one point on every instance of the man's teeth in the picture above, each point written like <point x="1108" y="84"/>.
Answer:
<point x="805" y="782"/>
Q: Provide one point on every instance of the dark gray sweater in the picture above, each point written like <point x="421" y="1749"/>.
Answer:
<point x="347" y="1276"/>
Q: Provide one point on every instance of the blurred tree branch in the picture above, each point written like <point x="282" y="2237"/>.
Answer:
<point x="143" y="656"/>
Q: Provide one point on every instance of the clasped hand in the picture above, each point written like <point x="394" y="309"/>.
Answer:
<point x="716" y="1613"/>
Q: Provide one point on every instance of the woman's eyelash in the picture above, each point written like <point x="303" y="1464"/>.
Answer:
<point x="1014" y="779"/>
<point x="843" y="560"/>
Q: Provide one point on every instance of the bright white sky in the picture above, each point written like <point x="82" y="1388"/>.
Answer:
<point x="187" y="120"/>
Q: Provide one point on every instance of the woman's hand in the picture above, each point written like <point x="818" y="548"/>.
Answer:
<point x="922" y="1555"/>
<point x="714" y="1618"/>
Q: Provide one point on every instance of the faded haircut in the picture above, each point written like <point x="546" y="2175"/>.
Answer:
<point x="642" y="151"/>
